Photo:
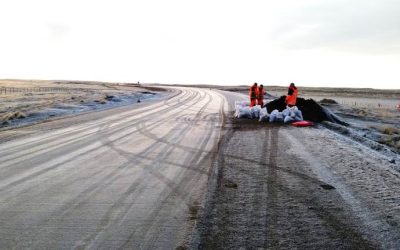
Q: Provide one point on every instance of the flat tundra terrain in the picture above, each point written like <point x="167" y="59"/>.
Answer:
<point x="25" y="102"/>
<point x="179" y="172"/>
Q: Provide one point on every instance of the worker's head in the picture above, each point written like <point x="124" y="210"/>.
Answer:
<point x="255" y="84"/>
<point x="261" y="86"/>
<point x="292" y="85"/>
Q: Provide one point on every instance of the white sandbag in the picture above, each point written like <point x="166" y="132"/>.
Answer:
<point x="292" y="114"/>
<point x="299" y="115"/>
<point x="237" y="111"/>
<point x="244" y="112"/>
<point x="239" y="105"/>
<point x="288" y="119"/>
<point x="264" y="116"/>
<point x="255" y="111"/>
<point x="276" y="116"/>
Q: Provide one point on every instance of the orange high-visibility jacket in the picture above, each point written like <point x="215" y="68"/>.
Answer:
<point x="292" y="98"/>
<point x="253" y="93"/>
<point x="260" y="93"/>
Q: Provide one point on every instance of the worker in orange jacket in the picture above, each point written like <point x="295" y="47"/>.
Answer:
<point x="260" y="98"/>
<point x="253" y="93"/>
<point x="291" y="97"/>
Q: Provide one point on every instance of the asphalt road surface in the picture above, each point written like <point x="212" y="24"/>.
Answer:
<point x="131" y="180"/>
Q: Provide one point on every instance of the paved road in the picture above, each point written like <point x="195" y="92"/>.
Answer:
<point x="130" y="180"/>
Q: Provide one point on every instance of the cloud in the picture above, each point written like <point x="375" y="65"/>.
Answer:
<point x="366" y="26"/>
<point x="57" y="30"/>
<point x="233" y="42"/>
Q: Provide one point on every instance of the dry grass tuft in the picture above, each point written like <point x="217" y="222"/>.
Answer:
<point x="390" y="136"/>
<point x="104" y="98"/>
<point x="13" y="116"/>
<point x="397" y="146"/>
<point x="362" y="112"/>
<point x="108" y="97"/>
<point x="392" y="141"/>
<point x="193" y="211"/>
<point x="8" y="117"/>
<point x="387" y="130"/>
<point x="101" y="101"/>
<point x="384" y="113"/>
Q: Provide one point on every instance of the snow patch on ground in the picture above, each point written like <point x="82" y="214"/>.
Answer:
<point x="358" y="173"/>
<point x="65" y="109"/>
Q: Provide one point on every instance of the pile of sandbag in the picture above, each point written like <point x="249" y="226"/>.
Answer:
<point x="243" y="110"/>
<point x="310" y="109"/>
<point x="288" y="115"/>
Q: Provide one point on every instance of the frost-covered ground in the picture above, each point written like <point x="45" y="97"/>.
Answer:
<point x="27" y="102"/>
<point x="275" y="186"/>
<point x="379" y="127"/>
<point x="372" y="115"/>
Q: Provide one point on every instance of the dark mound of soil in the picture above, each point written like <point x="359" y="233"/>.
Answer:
<point x="311" y="110"/>
<point x="327" y="101"/>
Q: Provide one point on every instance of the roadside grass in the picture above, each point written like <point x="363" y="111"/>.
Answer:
<point x="384" y="113"/>
<point x="386" y="129"/>
<point x="362" y="112"/>
<point x="9" y="116"/>
<point x="390" y="130"/>
<point x="390" y="136"/>
<point x="104" y="98"/>
<point x="392" y="141"/>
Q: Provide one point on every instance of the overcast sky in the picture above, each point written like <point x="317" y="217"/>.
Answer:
<point x="352" y="43"/>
